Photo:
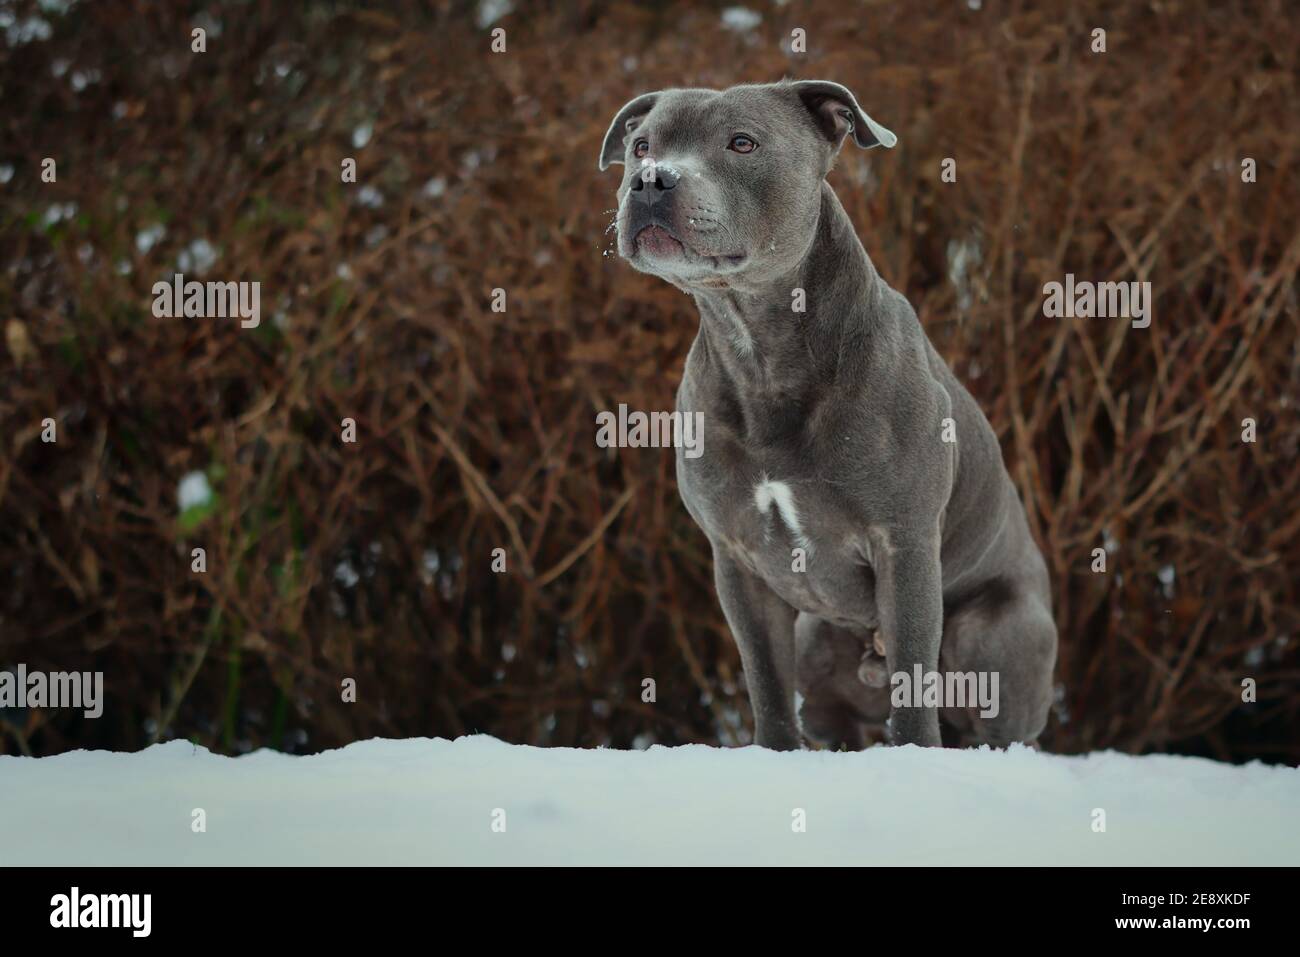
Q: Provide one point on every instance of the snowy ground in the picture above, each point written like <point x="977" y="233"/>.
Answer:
<point x="424" y="801"/>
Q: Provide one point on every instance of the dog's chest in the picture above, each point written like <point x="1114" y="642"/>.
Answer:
<point x="791" y="531"/>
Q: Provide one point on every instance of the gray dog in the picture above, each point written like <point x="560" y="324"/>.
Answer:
<point x="864" y="529"/>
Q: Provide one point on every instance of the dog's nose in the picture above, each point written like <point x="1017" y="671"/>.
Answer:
<point x="658" y="178"/>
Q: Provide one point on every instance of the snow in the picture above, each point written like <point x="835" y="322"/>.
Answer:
<point x="421" y="801"/>
<point x="193" y="491"/>
<point x="198" y="257"/>
<point x="490" y="11"/>
<point x="740" y="19"/>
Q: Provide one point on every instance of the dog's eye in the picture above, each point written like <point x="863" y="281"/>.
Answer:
<point x="640" y="148"/>
<point x="742" y="144"/>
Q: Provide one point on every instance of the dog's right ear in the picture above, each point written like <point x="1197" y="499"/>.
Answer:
<point x="624" y="123"/>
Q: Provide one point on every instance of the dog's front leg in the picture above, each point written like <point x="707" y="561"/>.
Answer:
<point x="909" y="597"/>
<point x="763" y="626"/>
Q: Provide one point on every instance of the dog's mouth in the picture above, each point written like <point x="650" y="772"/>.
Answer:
<point x="660" y="243"/>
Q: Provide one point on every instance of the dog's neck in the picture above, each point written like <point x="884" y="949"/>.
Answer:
<point x="770" y="350"/>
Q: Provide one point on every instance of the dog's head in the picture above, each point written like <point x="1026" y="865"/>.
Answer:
<point x="726" y="184"/>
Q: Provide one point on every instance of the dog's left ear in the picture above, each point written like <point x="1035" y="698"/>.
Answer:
<point x="836" y="112"/>
<point x="625" y="121"/>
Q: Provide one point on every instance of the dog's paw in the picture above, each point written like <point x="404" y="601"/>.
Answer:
<point x="872" y="669"/>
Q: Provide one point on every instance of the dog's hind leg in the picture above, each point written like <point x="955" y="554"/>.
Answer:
<point x="1012" y="642"/>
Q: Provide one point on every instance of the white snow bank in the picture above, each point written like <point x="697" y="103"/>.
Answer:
<point x="426" y="801"/>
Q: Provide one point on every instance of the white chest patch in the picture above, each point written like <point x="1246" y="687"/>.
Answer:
<point x="767" y="493"/>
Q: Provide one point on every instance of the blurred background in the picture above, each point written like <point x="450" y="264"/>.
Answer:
<point x="475" y="429"/>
